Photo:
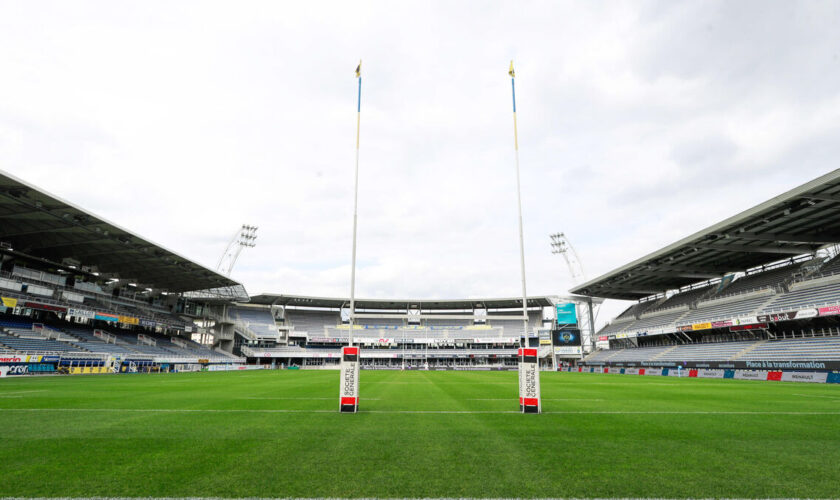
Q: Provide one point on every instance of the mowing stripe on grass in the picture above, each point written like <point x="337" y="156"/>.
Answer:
<point x="239" y="410"/>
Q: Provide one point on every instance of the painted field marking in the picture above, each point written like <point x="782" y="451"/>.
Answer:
<point x="595" y="412"/>
<point x="818" y="396"/>
<point x="306" y="399"/>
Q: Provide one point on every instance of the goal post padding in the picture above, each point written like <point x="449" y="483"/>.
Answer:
<point x="529" y="381"/>
<point x="349" y="384"/>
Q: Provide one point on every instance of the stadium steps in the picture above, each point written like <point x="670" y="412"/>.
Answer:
<point x="747" y="349"/>
<point x="666" y="351"/>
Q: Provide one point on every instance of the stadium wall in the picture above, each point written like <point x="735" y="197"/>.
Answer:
<point x="763" y="375"/>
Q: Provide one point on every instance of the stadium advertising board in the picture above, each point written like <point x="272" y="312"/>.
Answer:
<point x="80" y="313"/>
<point x="653" y="371"/>
<point x="128" y="320"/>
<point x="9" y="302"/>
<point x="701" y="326"/>
<point x="829" y="311"/>
<point x="529" y="381"/>
<point x="113" y="318"/>
<point x="567" y="351"/>
<point x="776" y="317"/>
<point x="807" y="313"/>
<point x="44" y="307"/>
<point x="545" y="337"/>
<point x="710" y="373"/>
<point x="732" y="365"/>
<point x="750" y="375"/>
<point x="565" y="314"/>
<point x="349" y="380"/>
<point x="754" y="326"/>
<point x="813" y="377"/>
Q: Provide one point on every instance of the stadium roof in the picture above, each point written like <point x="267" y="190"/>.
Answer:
<point x="336" y="302"/>
<point x="797" y="222"/>
<point x="39" y="225"/>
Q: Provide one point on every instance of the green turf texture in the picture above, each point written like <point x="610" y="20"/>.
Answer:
<point x="601" y="435"/>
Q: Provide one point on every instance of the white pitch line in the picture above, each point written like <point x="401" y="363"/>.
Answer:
<point x="21" y="392"/>
<point x="308" y="399"/>
<point x="818" y="396"/>
<point x="544" y="399"/>
<point x="606" y="412"/>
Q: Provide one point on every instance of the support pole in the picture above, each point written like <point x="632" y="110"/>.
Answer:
<point x="528" y="378"/>
<point x="355" y="207"/>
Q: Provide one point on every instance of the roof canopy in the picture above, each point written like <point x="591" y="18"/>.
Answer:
<point x="398" y="304"/>
<point x="797" y="222"/>
<point x="37" y="224"/>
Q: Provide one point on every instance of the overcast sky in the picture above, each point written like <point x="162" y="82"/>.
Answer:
<point x="639" y="123"/>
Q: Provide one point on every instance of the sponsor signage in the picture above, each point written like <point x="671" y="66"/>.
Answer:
<point x="113" y="318"/>
<point x="80" y="313"/>
<point x="567" y="350"/>
<point x="566" y="314"/>
<point x="727" y="365"/>
<point x="701" y="326"/>
<point x="325" y="340"/>
<point x="128" y="320"/>
<point x="348" y="393"/>
<point x="147" y="322"/>
<point x="829" y="311"/>
<point x="684" y="328"/>
<point x="815" y="377"/>
<point x="750" y="375"/>
<point x="13" y="370"/>
<point x="529" y="381"/>
<point x="721" y="324"/>
<point x="710" y="373"/>
<point x="603" y="338"/>
<point x="754" y="326"/>
<point x="807" y="313"/>
<point x="9" y="302"/>
<point x="44" y="307"/>
<point x="776" y="317"/>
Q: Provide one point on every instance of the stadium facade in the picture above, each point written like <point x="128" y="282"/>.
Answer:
<point x="757" y="292"/>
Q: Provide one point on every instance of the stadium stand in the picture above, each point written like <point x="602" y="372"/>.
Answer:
<point x="763" y="285"/>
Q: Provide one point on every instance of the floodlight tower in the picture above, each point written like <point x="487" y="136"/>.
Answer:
<point x="560" y="245"/>
<point x="245" y="236"/>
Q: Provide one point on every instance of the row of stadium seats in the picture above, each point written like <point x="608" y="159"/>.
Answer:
<point x="78" y="339"/>
<point x="807" y="294"/>
<point x="816" y="348"/>
<point x="771" y="279"/>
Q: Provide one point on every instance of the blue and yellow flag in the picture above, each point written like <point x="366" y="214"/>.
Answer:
<point x="359" y="69"/>
<point x="510" y="71"/>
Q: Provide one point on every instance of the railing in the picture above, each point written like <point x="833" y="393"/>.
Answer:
<point x="164" y="316"/>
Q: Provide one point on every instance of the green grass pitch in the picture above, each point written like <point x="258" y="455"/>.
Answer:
<point x="419" y="434"/>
